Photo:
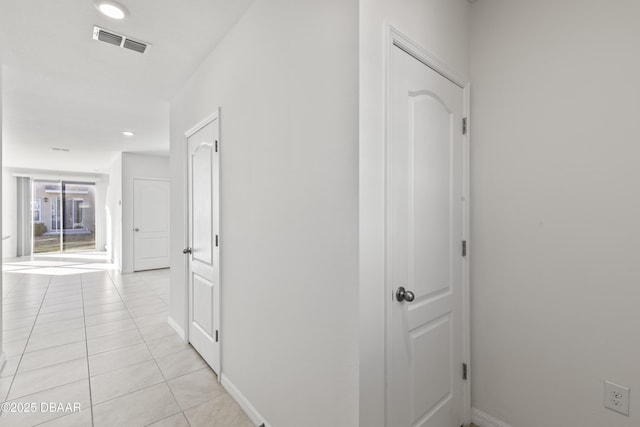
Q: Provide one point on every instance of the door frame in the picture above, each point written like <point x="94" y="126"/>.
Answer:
<point x="395" y="38"/>
<point x="187" y="310"/>
<point x="133" y="214"/>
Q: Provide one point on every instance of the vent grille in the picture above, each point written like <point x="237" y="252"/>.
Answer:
<point x="110" y="38"/>
<point x="119" y="40"/>
<point x="134" y="45"/>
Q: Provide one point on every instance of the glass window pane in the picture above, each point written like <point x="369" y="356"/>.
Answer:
<point x="79" y="217"/>
<point x="45" y="209"/>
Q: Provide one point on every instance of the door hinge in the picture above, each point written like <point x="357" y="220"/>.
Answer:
<point x="464" y="248"/>
<point x="464" y="126"/>
<point x="216" y="240"/>
<point x="216" y="145"/>
<point x="464" y="371"/>
<point x="216" y="335"/>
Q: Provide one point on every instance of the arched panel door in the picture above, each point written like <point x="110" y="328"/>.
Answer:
<point x="424" y="258"/>
<point x="203" y="246"/>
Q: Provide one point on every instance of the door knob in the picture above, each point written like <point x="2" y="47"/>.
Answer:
<point x="186" y="251"/>
<point x="136" y="229"/>
<point x="404" y="295"/>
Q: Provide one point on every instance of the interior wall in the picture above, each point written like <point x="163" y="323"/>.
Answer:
<point x="285" y="78"/>
<point x="440" y="27"/>
<point x="136" y="166"/>
<point x="113" y="212"/>
<point x="2" y="355"/>
<point x="101" y="210"/>
<point x="555" y="210"/>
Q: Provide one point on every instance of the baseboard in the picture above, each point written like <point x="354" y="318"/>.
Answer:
<point x="482" y="419"/>
<point x="177" y="328"/>
<point x="247" y="407"/>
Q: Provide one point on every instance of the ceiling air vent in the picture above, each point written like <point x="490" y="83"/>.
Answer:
<point x="119" y="40"/>
<point x="107" y="37"/>
<point x="134" y="45"/>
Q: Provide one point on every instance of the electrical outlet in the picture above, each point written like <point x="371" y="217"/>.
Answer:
<point x="616" y="397"/>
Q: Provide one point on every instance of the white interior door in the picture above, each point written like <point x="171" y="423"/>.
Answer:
<point x="203" y="253"/>
<point x="151" y="224"/>
<point x="425" y="219"/>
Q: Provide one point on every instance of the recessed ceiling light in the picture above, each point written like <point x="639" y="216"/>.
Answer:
<point x="127" y="133"/>
<point x="111" y="9"/>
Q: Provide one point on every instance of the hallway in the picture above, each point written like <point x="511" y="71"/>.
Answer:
<point x="77" y="333"/>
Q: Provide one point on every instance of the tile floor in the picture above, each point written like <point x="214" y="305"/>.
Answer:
<point x="76" y="332"/>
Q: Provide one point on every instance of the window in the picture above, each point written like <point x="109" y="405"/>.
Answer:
<point x="55" y="213"/>
<point x="36" y="207"/>
<point x="76" y="213"/>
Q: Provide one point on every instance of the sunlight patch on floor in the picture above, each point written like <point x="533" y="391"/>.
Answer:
<point x="60" y="264"/>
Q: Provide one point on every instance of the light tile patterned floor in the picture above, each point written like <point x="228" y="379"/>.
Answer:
<point x="76" y="331"/>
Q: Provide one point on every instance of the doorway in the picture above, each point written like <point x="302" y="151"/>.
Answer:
<point x="63" y="216"/>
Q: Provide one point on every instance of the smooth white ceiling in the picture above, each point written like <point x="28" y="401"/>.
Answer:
<point x="64" y="89"/>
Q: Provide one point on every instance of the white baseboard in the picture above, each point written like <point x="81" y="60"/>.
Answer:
<point x="244" y="403"/>
<point x="177" y="328"/>
<point x="482" y="419"/>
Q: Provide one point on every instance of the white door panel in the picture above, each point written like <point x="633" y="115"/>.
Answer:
<point x="151" y="224"/>
<point x="155" y="247"/>
<point x="425" y="220"/>
<point x="203" y="265"/>
<point x="203" y="300"/>
<point x="201" y="204"/>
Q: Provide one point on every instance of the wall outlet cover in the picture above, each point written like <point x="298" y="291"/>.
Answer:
<point x="616" y="397"/>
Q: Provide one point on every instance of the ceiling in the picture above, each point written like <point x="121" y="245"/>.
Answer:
<point x="62" y="89"/>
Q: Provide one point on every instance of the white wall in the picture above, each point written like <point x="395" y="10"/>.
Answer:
<point x="555" y="283"/>
<point x="114" y="212"/>
<point x="101" y="220"/>
<point x="2" y="355"/>
<point x="285" y="78"/>
<point x="439" y="26"/>
<point x="136" y="166"/>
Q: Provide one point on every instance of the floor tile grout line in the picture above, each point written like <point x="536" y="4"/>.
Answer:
<point x="86" y="342"/>
<point x="51" y="333"/>
<point x="48" y="388"/>
<point x="132" y="391"/>
<point x="51" y="366"/>
<point x="111" y="333"/>
<point x="52" y="419"/>
<point x="222" y="396"/>
<point x="167" y="417"/>
<point x="27" y="342"/>
<point x="136" y="391"/>
<point x="65" y="320"/>
<point x="124" y="367"/>
<point x="131" y="345"/>
<point x="118" y="348"/>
